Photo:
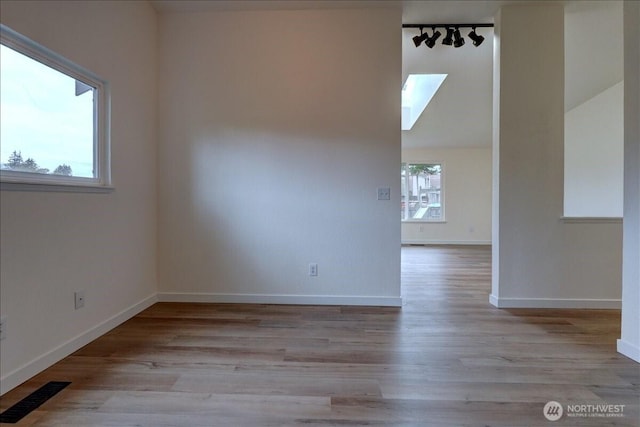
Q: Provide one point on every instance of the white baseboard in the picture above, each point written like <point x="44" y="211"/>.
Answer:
<point x="39" y="364"/>
<point x="554" y="303"/>
<point x="629" y="350"/>
<point x="493" y="300"/>
<point x="279" y="299"/>
<point x="445" y="242"/>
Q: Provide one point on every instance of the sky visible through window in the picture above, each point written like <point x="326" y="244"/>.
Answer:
<point x="42" y="118"/>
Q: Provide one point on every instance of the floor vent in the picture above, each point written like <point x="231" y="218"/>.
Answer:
<point x="32" y="402"/>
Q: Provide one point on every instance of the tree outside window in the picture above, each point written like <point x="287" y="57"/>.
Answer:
<point x="422" y="192"/>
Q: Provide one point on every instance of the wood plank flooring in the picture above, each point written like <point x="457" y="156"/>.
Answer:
<point x="446" y="358"/>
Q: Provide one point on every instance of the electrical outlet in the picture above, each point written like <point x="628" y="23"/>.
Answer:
<point x="3" y="327"/>
<point x="384" y="193"/>
<point x="313" y="269"/>
<point x="79" y="299"/>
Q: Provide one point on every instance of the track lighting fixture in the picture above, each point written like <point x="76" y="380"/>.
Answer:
<point x="418" y="39"/>
<point x="431" y="41"/>
<point x="448" y="39"/>
<point x="477" y="40"/>
<point x="459" y="41"/>
<point x="453" y="36"/>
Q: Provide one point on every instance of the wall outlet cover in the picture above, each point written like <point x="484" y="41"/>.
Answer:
<point x="384" y="193"/>
<point x="79" y="299"/>
<point x="313" y="269"/>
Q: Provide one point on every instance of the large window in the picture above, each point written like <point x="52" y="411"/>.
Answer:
<point x="55" y="118"/>
<point x="422" y="195"/>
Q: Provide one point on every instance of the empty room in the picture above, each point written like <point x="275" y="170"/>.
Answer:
<point x="199" y="213"/>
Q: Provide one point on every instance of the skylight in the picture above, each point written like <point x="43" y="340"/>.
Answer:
<point x="417" y="92"/>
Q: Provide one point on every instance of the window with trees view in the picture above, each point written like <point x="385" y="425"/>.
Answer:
<point x="54" y="118"/>
<point x="422" y="192"/>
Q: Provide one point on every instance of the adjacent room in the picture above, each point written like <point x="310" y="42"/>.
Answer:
<point x="209" y="234"/>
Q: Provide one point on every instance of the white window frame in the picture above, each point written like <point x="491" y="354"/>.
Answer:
<point x="442" y="218"/>
<point x="26" y="181"/>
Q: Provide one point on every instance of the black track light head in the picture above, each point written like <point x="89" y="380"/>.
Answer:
<point x="448" y="39"/>
<point x="459" y="41"/>
<point x="419" y="39"/>
<point x="477" y="39"/>
<point x="431" y="41"/>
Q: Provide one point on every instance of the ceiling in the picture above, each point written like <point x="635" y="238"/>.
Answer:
<point x="460" y="114"/>
<point x="412" y="9"/>
<point x="220" y="5"/>
<point x="450" y="11"/>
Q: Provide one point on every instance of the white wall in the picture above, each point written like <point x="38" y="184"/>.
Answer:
<point x="629" y="342"/>
<point x="593" y="156"/>
<point x="594" y="59"/>
<point x="53" y="244"/>
<point x="467" y="197"/>
<point x="276" y="128"/>
<point x="539" y="260"/>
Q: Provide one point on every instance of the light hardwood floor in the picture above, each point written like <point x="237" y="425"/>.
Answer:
<point x="447" y="358"/>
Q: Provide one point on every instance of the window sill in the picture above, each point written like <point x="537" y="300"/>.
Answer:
<point x="417" y="221"/>
<point x="56" y="187"/>
<point x="591" y="220"/>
